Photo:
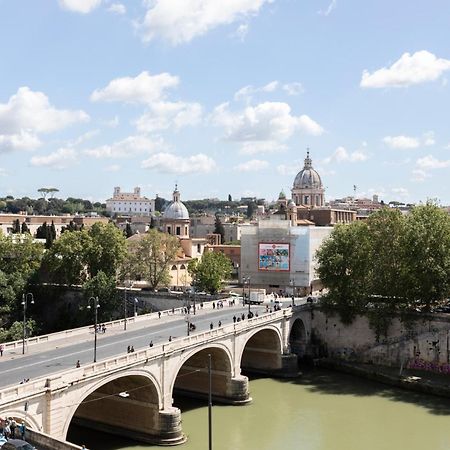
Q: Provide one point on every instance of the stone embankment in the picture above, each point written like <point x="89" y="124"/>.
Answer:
<point x="413" y="380"/>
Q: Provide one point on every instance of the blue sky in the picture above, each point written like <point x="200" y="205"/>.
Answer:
<point x="224" y="97"/>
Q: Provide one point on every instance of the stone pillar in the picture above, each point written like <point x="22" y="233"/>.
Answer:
<point x="170" y="432"/>
<point x="289" y="366"/>
<point x="237" y="390"/>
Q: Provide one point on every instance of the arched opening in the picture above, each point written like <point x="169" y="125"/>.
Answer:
<point x="192" y="379"/>
<point x="262" y="352"/>
<point x="125" y="406"/>
<point x="298" y="338"/>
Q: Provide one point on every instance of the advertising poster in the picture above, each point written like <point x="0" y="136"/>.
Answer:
<point x="273" y="257"/>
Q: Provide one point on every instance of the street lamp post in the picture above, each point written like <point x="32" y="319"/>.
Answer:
<point x="125" y="306"/>
<point x="246" y="280"/>
<point x="136" y="301"/>
<point x="24" y="303"/>
<point x="188" y="324"/>
<point x="209" y="403"/>
<point x="96" y="306"/>
<point x="292" y="283"/>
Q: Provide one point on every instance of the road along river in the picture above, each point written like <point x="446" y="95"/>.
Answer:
<point x="321" y="410"/>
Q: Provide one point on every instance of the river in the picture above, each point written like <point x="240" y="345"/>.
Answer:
<point x="321" y="410"/>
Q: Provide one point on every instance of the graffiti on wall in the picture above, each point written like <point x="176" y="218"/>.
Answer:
<point x="421" y="364"/>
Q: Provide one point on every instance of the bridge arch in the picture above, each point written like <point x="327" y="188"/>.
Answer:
<point x="262" y="350"/>
<point x="125" y="402"/>
<point x="191" y="373"/>
<point x="21" y="416"/>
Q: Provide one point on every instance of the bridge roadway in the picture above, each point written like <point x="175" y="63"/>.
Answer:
<point x="51" y="357"/>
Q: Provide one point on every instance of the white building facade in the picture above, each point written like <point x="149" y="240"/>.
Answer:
<point x="130" y="203"/>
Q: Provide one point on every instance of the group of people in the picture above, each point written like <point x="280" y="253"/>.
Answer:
<point x="10" y="429"/>
<point x="130" y="349"/>
<point x="101" y="328"/>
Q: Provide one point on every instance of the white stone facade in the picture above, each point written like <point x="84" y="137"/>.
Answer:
<point x="130" y="203"/>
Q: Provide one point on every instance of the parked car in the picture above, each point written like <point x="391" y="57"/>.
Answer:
<point x="17" y="444"/>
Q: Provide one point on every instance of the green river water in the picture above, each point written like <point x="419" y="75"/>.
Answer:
<point x="319" y="411"/>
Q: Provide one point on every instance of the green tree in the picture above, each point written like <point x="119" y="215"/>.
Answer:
<point x="16" y="227"/>
<point x="128" y="232"/>
<point x="210" y="273"/>
<point x="149" y="258"/>
<point x="343" y="267"/>
<point x="229" y="198"/>
<point x="66" y="260"/>
<point x="427" y="255"/>
<point x="251" y="209"/>
<point x="219" y="229"/>
<point x="107" y="249"/>
<point x="24" y="228"/>
<point x="103" y="287"/>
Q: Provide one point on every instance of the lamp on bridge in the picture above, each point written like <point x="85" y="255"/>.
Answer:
<point x="292" y="283"/>
<point x="246" y="281"/>
<point x="25" y="304"/>
<point x="96" y="306"/>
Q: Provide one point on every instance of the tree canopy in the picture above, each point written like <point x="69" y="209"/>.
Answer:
<point x="149" y="257"/>
<point x="391" y="263"/>
<point x="210" y="272"/>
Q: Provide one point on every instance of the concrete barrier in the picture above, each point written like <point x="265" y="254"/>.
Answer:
<point x="44" y="441"/>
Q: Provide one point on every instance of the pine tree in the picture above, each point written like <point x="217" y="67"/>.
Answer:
<point x="24" y="228"/>
<point x="219" y="229"/>
<point x="128" y="231"/>
<point x="16" y="227"/>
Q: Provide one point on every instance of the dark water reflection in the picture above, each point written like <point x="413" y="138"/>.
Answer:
<point x="320" y="411"/>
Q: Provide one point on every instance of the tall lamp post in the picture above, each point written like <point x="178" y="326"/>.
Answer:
<point x="125" y="306"/>
<point x="292" y="283"/>
<point x="25" y="303"/>
<point x="96" y="306"/>
<point x="246" y="280"/>
<point x="136" y="301"/>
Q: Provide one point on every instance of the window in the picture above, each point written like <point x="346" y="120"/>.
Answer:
<point x="199" y="248"/>
<point x="183" y="267"/>
<point x="173" y="267"/>
<point x="178" y="231"/>
<point x="169" y="229"/>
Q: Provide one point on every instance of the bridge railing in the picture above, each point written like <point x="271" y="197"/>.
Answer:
<point x="13" y="345"/>
<point x="63" y="379"/>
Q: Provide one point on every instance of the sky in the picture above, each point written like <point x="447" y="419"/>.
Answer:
<point x="224" y="97"/>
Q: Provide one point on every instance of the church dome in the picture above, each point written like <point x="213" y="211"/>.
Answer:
<point x="176" y="209"/>
<point x="307" y="178"/>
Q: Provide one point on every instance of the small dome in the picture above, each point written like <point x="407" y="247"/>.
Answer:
<point x="291" y="204"/>
<point x="282" y="196"/>
<point x="176" y="210"/>
<point x="307" y="177"/>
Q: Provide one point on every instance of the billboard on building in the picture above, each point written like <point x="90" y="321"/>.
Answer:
<point x="273" y="257"/>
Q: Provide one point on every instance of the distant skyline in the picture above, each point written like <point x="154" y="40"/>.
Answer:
<point x="224" y="97"/>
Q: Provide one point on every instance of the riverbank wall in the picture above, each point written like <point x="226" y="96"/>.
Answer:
<point x="423" y="343"/>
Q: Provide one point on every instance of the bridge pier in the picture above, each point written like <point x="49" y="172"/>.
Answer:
<point x="289" y="366"/>
<point x="237" y="390"/>
<point x="158" y="428"/>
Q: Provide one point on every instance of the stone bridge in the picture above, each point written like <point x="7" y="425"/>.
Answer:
<point x="132" y="394"/>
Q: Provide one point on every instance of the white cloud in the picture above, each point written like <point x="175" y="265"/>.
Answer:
<point x="80" y="6"/>
<point x="401" y="142"/>
<point x="420" y="175"/>
<point x="429" y="162"/>
<point x="144" y="88"/>
<point x="329" y="9"/>
<point x="342" y="155"/>
<point x="126" y="148"/>
<point x="163" y="115"/>
<point x="246" y="92"/>
<point x="241" y="31"/>
<point x="400" y="192"/>
<point x="419" y="67"/>
<point x="32" y="111"/>
<point x="117" y="8"/>
<point x="428" y="139"/>
<point x="291" y="169"/>
<point x="20" y="141"/>
<point x="408" y="142"/>
<point x="170" y="163"/>
<point x="180" y="21"/>
<point x="270" y="87"/>
<point x="254" y="165"/>
<point x="269" y="121"/>
<point x="112" y="168"/>
<point x="63" y="158"/>
<point x="83" y="138"/>
<point x="112" y="123"/>
<point x="294" y="88"/>
<point x="258" y="147"/>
